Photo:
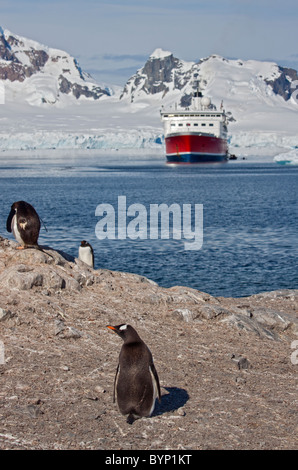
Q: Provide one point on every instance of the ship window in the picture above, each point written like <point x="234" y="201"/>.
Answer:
<point x="210" y="124"/>
<point x="180" y="125"/>
<point x="188" y="124"/>
<point x="173" y="125"/>
<point x="203" y="124"/>
<point x="196" y="124"/>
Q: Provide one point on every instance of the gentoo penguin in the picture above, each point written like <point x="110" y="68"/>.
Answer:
<point x="23" y="221"/>
<point x="136" y="384"/>
<point x="86" y="253"/>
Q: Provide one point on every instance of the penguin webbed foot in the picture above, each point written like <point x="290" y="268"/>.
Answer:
<point x="130" y="418"/>
<point x="25" y="247"/>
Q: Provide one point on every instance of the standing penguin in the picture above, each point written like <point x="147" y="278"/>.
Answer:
<point x="136" y="382"/>
<point x="86" y="253"/>
<point x="23" y="221"/>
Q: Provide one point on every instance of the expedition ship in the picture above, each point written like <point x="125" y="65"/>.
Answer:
<point x="196" y="135"/>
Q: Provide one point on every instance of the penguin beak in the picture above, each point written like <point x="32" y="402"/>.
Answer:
<point x="111" y="327"/>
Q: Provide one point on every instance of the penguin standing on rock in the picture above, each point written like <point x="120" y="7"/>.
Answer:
<point x="136" y="382"/>
<point x="23" y="221"/>
<point x="86" y="253"/>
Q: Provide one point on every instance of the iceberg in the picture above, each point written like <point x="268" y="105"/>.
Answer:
<point x="287" y="158"/>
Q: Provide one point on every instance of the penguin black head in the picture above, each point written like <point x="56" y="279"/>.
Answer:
<point x="126" y="332"/>
<point x="84" y="243"/>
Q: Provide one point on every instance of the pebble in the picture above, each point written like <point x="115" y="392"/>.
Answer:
<point x="241" y="362"/>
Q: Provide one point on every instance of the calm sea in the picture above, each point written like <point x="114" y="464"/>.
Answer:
<point x="250" y="216"/>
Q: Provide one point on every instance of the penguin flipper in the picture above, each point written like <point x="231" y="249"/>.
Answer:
<point x="9" y="221"/>
<point x="115" y="382"/>
<point x="155" y="375"/>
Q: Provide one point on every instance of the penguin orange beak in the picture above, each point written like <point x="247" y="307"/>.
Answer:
<point x="111" y="327"/>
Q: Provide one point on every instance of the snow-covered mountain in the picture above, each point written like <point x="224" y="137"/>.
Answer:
<point x="42" y="75"/>
<point x="51" y="103"/>
<point x="162" y="74"/>
<point x="257" y="96"/>
<point x="165" y="74"/>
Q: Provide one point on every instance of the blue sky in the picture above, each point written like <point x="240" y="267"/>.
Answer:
<point x="112" y="39"/>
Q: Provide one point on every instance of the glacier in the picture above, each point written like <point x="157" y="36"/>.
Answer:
<point x="47" y="140"/>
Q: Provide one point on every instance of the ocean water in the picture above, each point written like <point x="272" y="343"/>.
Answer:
<point x="250" y="216"/>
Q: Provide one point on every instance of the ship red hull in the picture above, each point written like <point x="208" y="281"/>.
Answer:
<point x="195" y="148"/>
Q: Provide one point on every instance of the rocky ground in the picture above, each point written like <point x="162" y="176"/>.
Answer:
<point x="227" y="366"/>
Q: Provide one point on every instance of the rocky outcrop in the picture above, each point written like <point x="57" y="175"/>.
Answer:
<point x="161" y="73"/>
<point x="95" y="92"/>
<point x="225" y="365"/>
<point x="15" y="68"/>
<point x="282" y="85"/>
<point x="49" y="271"/>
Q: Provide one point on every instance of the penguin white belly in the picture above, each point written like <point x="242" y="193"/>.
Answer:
<point x="85" y="255"/>
<point x="15" y="230"/>
<point x="155" y="392"/>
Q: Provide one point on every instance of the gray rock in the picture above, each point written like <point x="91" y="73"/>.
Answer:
<point x="249" y="325"/>
<point x="5" y="314"/>
<point x="59" y="327"/>
<point x="242" y="362"/>
<point x="271" y="318"/>
<point x="183" y="314"/>
<point x="21" y="280"/>
<point x="209" y="312"/>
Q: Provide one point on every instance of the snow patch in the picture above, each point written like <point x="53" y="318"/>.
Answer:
<point x="160" y="54"/>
